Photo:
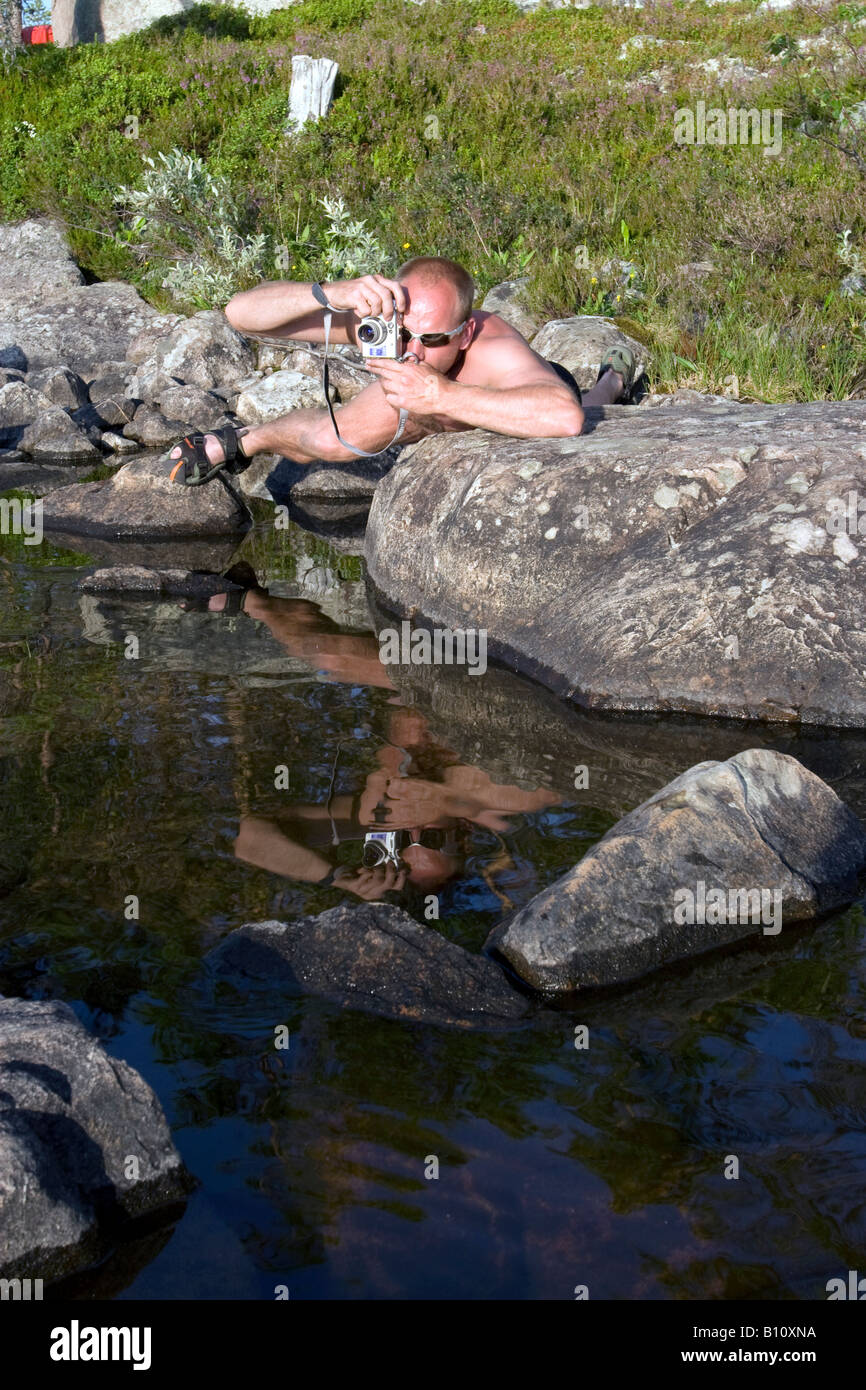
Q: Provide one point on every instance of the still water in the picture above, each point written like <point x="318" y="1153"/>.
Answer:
<point x="214" y="768"/>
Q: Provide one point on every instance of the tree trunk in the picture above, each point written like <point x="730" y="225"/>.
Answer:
<point x="10" y="27"/>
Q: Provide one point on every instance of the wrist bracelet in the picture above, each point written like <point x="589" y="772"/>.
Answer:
<point x="319" y="295"/>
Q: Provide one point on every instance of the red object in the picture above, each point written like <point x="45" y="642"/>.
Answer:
<point x="38" y="33"/>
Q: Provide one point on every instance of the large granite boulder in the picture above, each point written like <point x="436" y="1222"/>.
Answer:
<point x="201" y="351"/>
<point x="727" y="852"/>
<point x="141" y="501"/>
<point x="48" y="316"/>
<point x="84" y="1146"/>
<point x="690" y="559"/>
<point x="370" y="956"/>
<point x="36" y="263"/>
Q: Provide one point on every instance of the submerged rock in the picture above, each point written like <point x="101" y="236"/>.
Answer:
<point x="141" y="579"/>
<point x="84" y="1145"/>
<point x="372" y="956"/>
<point x="726" y="852"/>
<point x="140" y="500"/>
<point x="702" y="559"/>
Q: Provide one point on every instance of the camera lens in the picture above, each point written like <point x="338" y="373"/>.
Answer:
<point x="371" y="331"/>
<point x="372" y="854"/>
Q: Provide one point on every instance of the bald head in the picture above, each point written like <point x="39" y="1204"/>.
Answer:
<point x="431" y="272"/>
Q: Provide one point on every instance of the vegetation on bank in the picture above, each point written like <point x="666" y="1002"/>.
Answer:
<point x="537" y="144"/>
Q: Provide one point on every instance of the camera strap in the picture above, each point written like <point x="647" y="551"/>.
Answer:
<point x="319" y="296"/>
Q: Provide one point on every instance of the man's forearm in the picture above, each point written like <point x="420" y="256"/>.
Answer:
<point x="278" y="304"/>
<point x="525" y="412"/>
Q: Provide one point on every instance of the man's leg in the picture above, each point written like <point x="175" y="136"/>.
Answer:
<point x="606" y="391"/>
<point x="367" y="421"/>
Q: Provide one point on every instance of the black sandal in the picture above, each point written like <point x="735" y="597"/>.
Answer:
<point x="197" y="467"/>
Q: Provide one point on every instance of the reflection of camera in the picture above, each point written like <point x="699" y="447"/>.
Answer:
<point x="382" y="847"/>
<point x="380" y="337"/>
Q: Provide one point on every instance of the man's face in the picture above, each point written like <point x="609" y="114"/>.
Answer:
<point x="433" y="309"/>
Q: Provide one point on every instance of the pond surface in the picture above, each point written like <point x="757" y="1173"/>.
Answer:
<point x="213" y="766"/>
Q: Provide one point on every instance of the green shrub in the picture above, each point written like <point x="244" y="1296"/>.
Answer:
<point x="509" y="141"/>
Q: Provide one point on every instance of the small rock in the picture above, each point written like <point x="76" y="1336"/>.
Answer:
<point x="12" y="358"/>
<point x="141" y="501"/>
<point x="198" y="409"/>
<point x="116" y="411"/>
<point x="281" y="480"/>
<point x="112" y="382"/>
<point x="60" y="385"/>
<point x="141" y="579"/>
<point x="55" y="436"/>
<point x="117" y="444"/>
<point x="34" y="424"/>
<point x="151" y="429"/>
<point x="269" y="357"/>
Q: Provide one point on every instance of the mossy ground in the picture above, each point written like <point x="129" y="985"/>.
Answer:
<point x="504" y="140"/>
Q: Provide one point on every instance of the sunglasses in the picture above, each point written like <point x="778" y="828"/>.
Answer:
<point x="432" y="339"/>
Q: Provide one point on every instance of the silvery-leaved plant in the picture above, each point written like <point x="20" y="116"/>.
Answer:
<point x="350" y="247"/>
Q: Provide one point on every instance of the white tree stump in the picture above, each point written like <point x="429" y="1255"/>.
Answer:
<point x="311" y="91"/>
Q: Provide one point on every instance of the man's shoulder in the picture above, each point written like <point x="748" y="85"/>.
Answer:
<point x="497" y="350"/>
<point x="490" y="328"/>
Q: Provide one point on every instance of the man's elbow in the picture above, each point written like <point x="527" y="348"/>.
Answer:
<point x="569" y="420"/>
<point x="232" y="313"/>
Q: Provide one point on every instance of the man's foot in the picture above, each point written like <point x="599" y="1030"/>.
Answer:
<point x="618" y="367"/>
<point x="200" y="457"/>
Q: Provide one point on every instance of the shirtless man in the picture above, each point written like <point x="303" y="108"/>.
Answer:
<point x="481" y="374"/>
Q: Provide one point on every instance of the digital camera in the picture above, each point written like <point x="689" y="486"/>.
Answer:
<point x="382" y="847"/>
<point x="380" y="337"/>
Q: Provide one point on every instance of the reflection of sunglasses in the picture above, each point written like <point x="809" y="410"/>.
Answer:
<point x="432" y="339"/>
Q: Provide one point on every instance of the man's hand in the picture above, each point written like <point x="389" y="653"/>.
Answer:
<point x="372" y="296"/>
<point x="370" y="884"/>
<point x="413" y="386"/>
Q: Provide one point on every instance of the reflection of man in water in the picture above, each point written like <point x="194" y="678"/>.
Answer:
<point x="418" y="787"/>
